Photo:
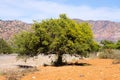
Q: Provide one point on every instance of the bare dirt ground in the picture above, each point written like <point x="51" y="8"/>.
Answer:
<point x="99" y="69"/>
<point x="11" y="61"/>
<point x="2" y="78"/>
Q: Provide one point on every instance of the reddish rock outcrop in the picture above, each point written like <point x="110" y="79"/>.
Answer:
<point x="104" y="30"/>
<point x="9" y="28"/>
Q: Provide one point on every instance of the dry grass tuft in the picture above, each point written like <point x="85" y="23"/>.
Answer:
<point x="17" y="74"/>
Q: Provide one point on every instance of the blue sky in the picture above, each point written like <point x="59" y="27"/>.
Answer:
<point x="29" y="10"/>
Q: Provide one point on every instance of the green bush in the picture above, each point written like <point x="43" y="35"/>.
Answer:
<point x="118" y="45"/>
<point x="5" y="47"/>
<point x="106" y="44"/>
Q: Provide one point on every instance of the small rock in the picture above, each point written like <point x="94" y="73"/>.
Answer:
<point x="33" y="77"/>
<point x="81" y="75"/>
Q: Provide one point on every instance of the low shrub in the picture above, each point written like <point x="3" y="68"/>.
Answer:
<point x="109" y="54"/>
<point x="93" y="55"/>
<point x="116" y="61"/>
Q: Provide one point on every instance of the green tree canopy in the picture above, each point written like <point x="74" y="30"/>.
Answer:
<point x="4" y="47"/>
<point x="108" y="44"/>
<point x="25" y="43"/>
<point x="57" y="36"/>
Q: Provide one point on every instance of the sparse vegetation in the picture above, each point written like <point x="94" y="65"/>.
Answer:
<point x="13" y="75"/>
<point x="110" y="50"/>
<point x="17" y="74"/>
<point x="109" y="54"/>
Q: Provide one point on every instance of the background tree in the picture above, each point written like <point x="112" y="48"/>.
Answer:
<point x="57" y="36"/>
<point x="118" y="44"/>
<point x="4" y="47"/>
<point x="108" y="44"/>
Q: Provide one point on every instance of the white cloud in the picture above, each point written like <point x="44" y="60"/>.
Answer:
<point x="29" y="10"/>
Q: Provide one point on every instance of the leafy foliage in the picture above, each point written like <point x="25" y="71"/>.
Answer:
<point x="4" y="47"/>
<point x="56" y="36"/>
<point x="25" y="43"/>
<point x="108" y="44"/>
<point x="118" y="44"/>
<point x="64" y="36"/>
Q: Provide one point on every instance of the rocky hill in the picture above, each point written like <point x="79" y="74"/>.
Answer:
<point x="103" y="30"/>
<point x="9" y="28"/>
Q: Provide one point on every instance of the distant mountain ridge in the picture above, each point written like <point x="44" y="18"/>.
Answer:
<point x="10" y="27"/>
<point x="103" y="30"/>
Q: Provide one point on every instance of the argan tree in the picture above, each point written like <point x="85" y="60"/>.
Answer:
<point x="57" y="36"/>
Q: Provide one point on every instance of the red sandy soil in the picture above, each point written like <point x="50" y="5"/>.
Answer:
<point x="100" y="69"/>
<point x="2" y="78"/>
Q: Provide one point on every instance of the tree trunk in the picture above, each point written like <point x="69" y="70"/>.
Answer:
<point x="59" y="62"/>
